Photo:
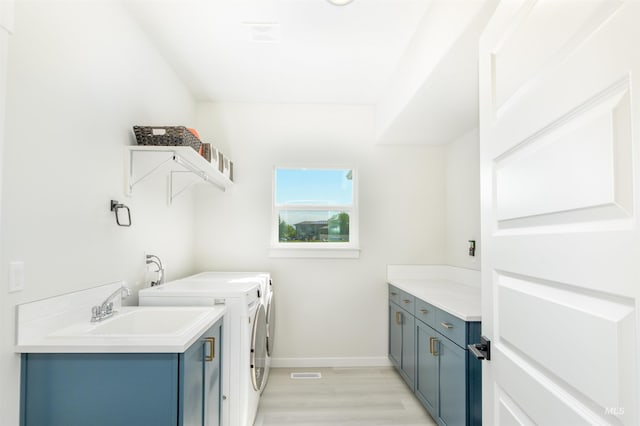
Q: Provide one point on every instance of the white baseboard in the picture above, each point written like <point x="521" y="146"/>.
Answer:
<point x="330" y="362"/>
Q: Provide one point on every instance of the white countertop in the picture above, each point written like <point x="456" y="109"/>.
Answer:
<point x="460" y="300"/>
<point x="86" y="337"/>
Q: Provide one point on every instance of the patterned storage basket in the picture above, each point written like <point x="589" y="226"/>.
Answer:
<point x="166" y="135"/>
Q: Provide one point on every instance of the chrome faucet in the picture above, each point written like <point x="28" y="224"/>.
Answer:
<point x="152" y="258"/>
<point x="105" y="309"/>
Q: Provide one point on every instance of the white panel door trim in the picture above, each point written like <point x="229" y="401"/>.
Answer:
<point x="560" y="233"/>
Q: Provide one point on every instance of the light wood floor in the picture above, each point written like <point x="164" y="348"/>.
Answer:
<point x="343" y="396"/>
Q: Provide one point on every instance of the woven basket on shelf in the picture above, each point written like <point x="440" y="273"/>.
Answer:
<point x="166" y="135"/>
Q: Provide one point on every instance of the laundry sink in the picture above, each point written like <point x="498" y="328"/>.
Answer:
<point x="136" y="322"/>
<point x="130" y="329"/>
<point x="142" y="322"/>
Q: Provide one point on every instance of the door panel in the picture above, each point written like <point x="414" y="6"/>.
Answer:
<point x="573" y="331"/>
<point x="395" y="335"/>
<point x="559" y="202"/>
<point x="408" y="348"/>
<point x="524" y="52"/>
<point x="509" y="414"/>
<point x="580" y="161"/>
<point x="212" y="379"/>
<point x="452" y="383"/>
<point x="427" y="367"/>
<point x="193" y="405"/>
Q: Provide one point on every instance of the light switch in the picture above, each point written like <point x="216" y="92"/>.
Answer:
<point x="16" y="276"/>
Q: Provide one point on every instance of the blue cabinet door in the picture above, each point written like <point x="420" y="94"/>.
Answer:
<point x="408" y="349"/>
<point x="395" y="335"/>
<point x="212" y="383"/>
<point x="402" y="343"/>
<point x="200" y="377"/>
<point x="427" y="382"/>
<point x="192" y="385"/>
<point x="453" y="388"/>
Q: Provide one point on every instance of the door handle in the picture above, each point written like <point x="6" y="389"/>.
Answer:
<point x="399" y="318"/>
<point x="481" y="350"/>
<point x="212" y="348"/>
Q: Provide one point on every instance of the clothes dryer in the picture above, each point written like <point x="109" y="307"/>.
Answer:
<point x="266" y="297"/>
<point x="243" y="342"/>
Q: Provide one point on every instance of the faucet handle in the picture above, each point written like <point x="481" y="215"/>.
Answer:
<point x="108" y="308"/>
<point x="95" y="313"/>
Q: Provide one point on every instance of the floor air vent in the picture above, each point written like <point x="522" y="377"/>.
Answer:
<point x="306" y="376"/>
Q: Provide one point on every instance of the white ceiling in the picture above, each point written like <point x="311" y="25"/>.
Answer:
<point x="315" y="53"/>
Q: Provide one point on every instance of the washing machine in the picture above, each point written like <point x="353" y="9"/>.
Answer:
<point x="266" y="297"/>
<point x="244" y="331"/>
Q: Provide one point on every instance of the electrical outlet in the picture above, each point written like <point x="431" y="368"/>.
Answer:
<point x="16" y="276"/>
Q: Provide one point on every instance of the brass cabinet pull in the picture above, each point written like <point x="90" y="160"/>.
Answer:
<point x="406" y="301"/>
<point x="393" y="293"/>
<point x="399" y="318"/>
<point x="424" y="311"/>
<point x="446" y="325"/>
<point x="212" y="348"/>
<point x="432" y="346"/>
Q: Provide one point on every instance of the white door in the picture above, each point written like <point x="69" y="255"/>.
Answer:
<point x="560" y="179"/>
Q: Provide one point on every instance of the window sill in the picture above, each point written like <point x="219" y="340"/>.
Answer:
<point x="316" y="252"/>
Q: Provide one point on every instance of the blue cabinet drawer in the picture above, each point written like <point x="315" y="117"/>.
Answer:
<point x="394" y="294"/>
<point x="426" y="312"/>
<point x="452" y="327"/>
<point x="407" y="302"/>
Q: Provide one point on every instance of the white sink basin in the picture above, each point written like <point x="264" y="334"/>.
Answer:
<point x="147" y="322"/>
<point x="136" y="322"/>
<point x="131" y="329"/>
<point x="61" y="324"/>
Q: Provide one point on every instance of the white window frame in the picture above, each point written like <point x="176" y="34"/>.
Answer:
<point x="350" y="249"/>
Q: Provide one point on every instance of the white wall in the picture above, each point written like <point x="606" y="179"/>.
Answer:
<point x="462" y="200"/>
<point x="6" y="16"/>
<point x="326" y="308"/>
<point x="80" y="74"/>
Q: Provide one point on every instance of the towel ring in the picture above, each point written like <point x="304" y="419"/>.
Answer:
<point x="116" y="207"/>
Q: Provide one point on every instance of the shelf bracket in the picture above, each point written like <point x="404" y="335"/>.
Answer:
<point x="176" y="161"/>
<point x="172" y="191"/>
<point x="130" y="175"/>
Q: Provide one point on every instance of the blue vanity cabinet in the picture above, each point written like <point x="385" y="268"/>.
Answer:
<point x="106" y="389"/>
<point x="447" y="379"/>
<point x="401" y="334"/>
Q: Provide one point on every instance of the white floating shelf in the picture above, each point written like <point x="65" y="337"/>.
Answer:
<point x="142" y="161"/>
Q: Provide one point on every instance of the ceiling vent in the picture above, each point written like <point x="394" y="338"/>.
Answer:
<point x="263" y="32"/>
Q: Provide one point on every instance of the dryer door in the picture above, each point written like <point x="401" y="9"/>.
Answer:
<point x="258" y="348"/>
<point x="271" y="324"/>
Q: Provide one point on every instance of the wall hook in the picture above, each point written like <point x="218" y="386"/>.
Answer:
<point x="117" y="207"/>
